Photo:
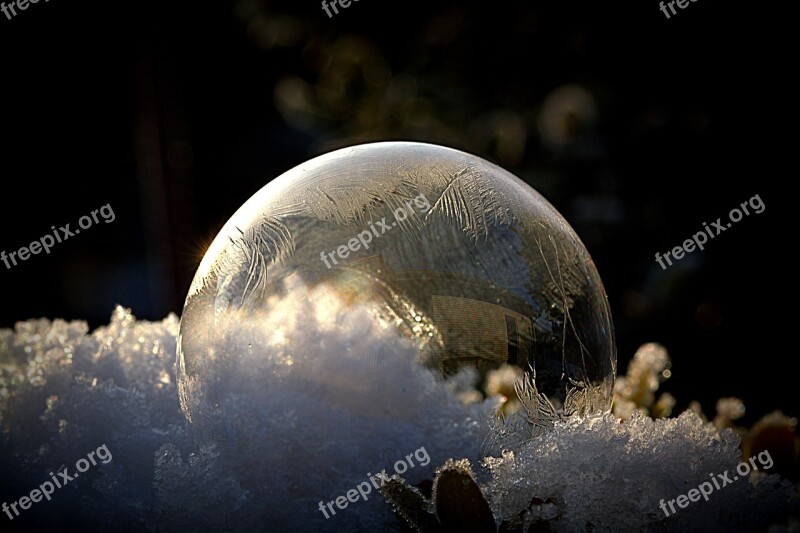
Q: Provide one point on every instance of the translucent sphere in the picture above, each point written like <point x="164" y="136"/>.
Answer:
<point x="379" y="305"/>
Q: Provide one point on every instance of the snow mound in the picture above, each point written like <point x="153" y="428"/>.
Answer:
<point x="65" y="391"/>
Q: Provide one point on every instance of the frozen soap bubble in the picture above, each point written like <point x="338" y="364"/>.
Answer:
<point x="358" y="312"/>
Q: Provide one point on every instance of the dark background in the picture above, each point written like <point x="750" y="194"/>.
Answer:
<point x="637" y="128"/>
